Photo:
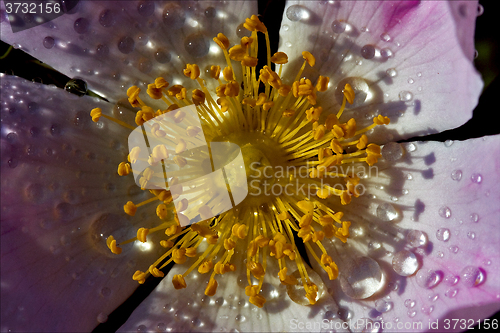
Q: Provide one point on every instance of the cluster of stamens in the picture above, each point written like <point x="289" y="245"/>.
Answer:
<point x="288" y="115"/>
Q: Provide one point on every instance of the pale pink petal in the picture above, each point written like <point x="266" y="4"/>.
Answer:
<point x="409" y="60"/>
<point x="189" y="310"/>
<point x="61" y="198"/>
<point x="114" y="44"/>
<point x="450" y="193"/>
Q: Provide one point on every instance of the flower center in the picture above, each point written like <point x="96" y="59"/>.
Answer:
<point x="292" y="154"/>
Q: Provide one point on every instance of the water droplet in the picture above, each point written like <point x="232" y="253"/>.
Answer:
<point x="410" y="80"/>
<point x="409" y="176"/>
<point x="338" y="26"/>
<point x="409" y="303"/>
<point x="106" y="18"/>
<point x="240" y="318"/>
<point x="173" y="16"/>
<point x="453" y="249"/>
<point x="81" y="25"/>
<point x="142" y="328"/>
<point x="106" y="225"/>
<point x="392" y="151"/>
<point x="480" y="10"/>
<point x="456" y="175"/>
<point x="197" y="45"/>
<point x="102" y="317"/>
<point x="392" y="72"/>
<point x="474" y="217"/>
<point x="445" y="212"/>
<point x="102" y="51"/>
<point x="363" y="93"/>
<point x="417" y="238"/>
<point x="428" y="278"/>
<point x="405" y="96"/>
<point x="146" y="8"/>
<point x="383" y="306"/>
<point x="219" y="301"/>
<point x="405" y="263"/>
<point x="476" y="178"/>
<point x="472" y="276"/>
<point x="285" y="27"/>
<point x="242" y="32"/>
<point x="48" y="42"/>
<point x="443" y="234"/>
<point x="471" y="235"/>
<point x="385" y="37"/>
<point x="411" y="313"/>
<point x="297" y="292"/>
<point x="368" y="51"/>
<point x="210" y="12"/>
<point x="452" y="280"/>
<point x="427" y="309"/>
<point x="451" y="293"/>
<point x="386" y="53"/>
<point x="387" y="212"/>
<point x="162" y="327"/>
<point x="126" y="45"/>
<point x="362" y="278"/>
<point x="296" y="13"/>
<point x="448" y="143"/>
<point x="76" y="86"/>
<point x="410" y="147"/>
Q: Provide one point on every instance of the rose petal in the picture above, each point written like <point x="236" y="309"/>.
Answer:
<point x="115" y="44"/>
<point x="61" y="198"/>
<point x="410" y="61"/>
<point x="435" y="189"/>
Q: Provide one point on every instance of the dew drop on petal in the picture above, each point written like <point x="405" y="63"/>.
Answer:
<point x="387" y="212"/>
<point x="427" y="310"/>
<point x="296" y="13"/>
<point x="242" y="32"/>
<point x="102" y="51"/>
<point x="297" y="292"/>
<point x="409" y="303"/>
<point x="392" y="72"/>
<point x="126" y="45"/>
<point x="472" y="276"/>
<point x="102" y="317"/>
<point x="453" y="249"/>
<point x="162" y="56"/>
<point x="146" y="8"/>
<point x="81" y="25"/>
<point x="405" y="96"/>
<point x="392" y="151"/>
<point x="385" y="37"/>
<point x="107" y="18"/>
<point x="448" y="143"/>
<point x="428" y="278"/>
<point x="443" y="234"/>
<point x="417" y="238"/>
<point x="456" y="175"/>
<point x="368" y="51"/>
<point x="48" y="42"/>
<point x="386" y="53"/>
<point x="197" y="45"/>
<point x="480" y="10"/>
<point x="451" y="293"/>
<point x="76" y="86"/>
<point x="471" y="235"/>
<point x="476" y="178"/>
<point x="338" y="26"/>
<point x="383" y="306"/>
<point x="474" y="217"/>
<point x="445" y="212"/>
<point x="405" y="263"/>
<point x="451" y="280"/>
<point x="362" y="278"/>
<point x="173" y="16"/>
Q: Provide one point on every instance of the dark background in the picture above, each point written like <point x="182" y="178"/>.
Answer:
<point x="483" y="122"/>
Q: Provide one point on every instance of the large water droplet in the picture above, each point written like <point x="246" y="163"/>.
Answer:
<point x="417" y="238"/>
<point x="162" y="56"/>
<point x="106" y="225"/>
<point x="405" y="96"/>
<point x="383" y="306"/>
<point x="296" y="13"/>
<point x="472" y="276"/>
<point x="445" y="212"/>
<point x="146" y="8"/>
<point x="456" y="175"/>
<point x="443" y="234"/>
<point x="362" y="278"/>
<point x="368" y="51"/>
<point x="476" y="178"/>
<point x="197" y="45"/>
<point x="126" y="45"/>
<point x="387" y="212"/>
<point x="241" y="31"/>
<point x="76" y="86"/>
<point x="81" y="25"/>
<point x="173" y="16"/>
<point x="392" y="151"/>
<point x="338" y="26"/>
<point x="405" y="263"/>
<point x="297" y="292"/>
<point x="363" y="93"/>
<point x="428" y="278"/>
<point x="48" y="42"/>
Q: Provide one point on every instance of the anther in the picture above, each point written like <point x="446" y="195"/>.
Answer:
<point x="309" y="58"/>
<point x="179" y="282"/>
<point x="124" y="169"/>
